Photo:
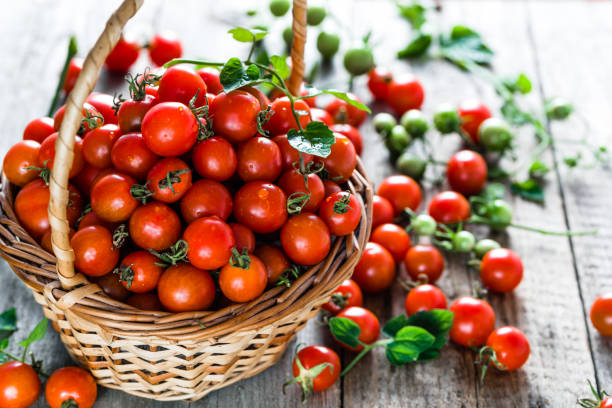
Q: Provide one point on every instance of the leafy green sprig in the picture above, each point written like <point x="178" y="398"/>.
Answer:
<point x="8" y="326"/>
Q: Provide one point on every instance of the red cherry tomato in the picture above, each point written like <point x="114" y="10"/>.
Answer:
<point x="169" y="179"/>
<point x="449" y="207"/>
<point x="130" y="155"/>
<point x="601" y="314"/>
<point x="375" y="270"/>
<point x="46" y="154"/>
<point x="38" y="129"/>
<point x="71" y="383"/>
<point x="466" y="172"/>
<point x="180" y="84"/>
<point x="45" y="241"/>
<point x="424" y="262"/>
<point x="341" y="212"/>
<point x="206" y="198"/>
<point x="131" y="113"/>
<point x="111" y="286"/>
<point x="259" y="158"/>
<point x="343" y="112"/>
<point x="510" y="346"/>
<point x="367" y="322"/>
<point x="184" y="288"/>
<point x="104" y="103"/>
<point x="111" y="198"/>
<point x="352" y="133"/>
<point x="405" y="93"/>
<point x="261" y="97"/>
<point x="91" y="218"/>
<point x="348" y="294"/>
<point x="382" y="211"/>
<point x="19" y="385"/>
<point x="94" y="118"/>
<point x="139" y="272"/>
<point x="243" y="284"/>
<point x="275" y="260"/>
<point x="123" y="56"/>
<point x="86" y="178"/>
<point x="474" y="320"/>
<point x="313" y="356"/>
<point x="245" y="239"/>
<point x="210" y="76"/>
<point x="472" y="113"/>
<point x="235" y="115"/>
<point x="215" y="159"/>
<point x="97" y="145"/>
<point x="283" y="119"/>
<point x="292" y="182"/>
<point x="94" y="251"/>
<point x="75" y="66"/>
<point x="170" y="129"/>
<point x="164" y="47"/>
<point x="155" y="226"/>
<point x="305" y="239"/>
<point x="289" y="155"/>
<point x="21" y="156"/>
<point x="342" y="160"/>
<point x="260" y="206"/>
<point x="145" y="301"/>
<point x="424" y="298"/>
<point x="501" y="270"/>
<point x="401" y="191"/>
<point x="321" y="115"/>
<point x="331" y="187"/>
<point x="379" y="80"/>
<point x="393" y="238"/>
<point x="210" y="242"/>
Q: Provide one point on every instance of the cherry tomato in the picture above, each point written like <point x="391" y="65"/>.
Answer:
<point x="343" y="112"/>
<point x="472" y="113"/>
<point x="401" y="191"/>
<point x="45" y="241"/>
<point x="466" y="172"/>
<point x="321" y="115"/>
<point x="292" y="182"/>
<point x="235" y="115"/>
<point x="130" y="155"/>
<point x="123" y="56"/>
<point x="393" y="238"/>
<point x="283" y="119"/>
<point x="259" y="158"/>
<point x="94" y="252"/>
<point x="275" y="260"/>
<point x="111" y="285"/>
<point x="71" y="383"/>
<point x="184" y="288"/>
<point x="305" y="239"/>
<point x="331" y="187"/>
<point x="367" y="322"/>
<point x="18" y="159"/>
<point x="38" y="129"/>
<point x="601" y="314"/>
<point x="501" y="270"/>
<point x="424" y="262"/>
<point x="348" y="294"/>
<point x="131" y="113"/>
<point x="91" y="218"/>
<point x="449" y="207"/>
<point x="244" y="283"/>
<point x="97" y="145"/>
<point x="473" y="322"/>
<point x="180" y="84"/>
<point x="169" y="179"/>
<point x="111" y="198"/>
<point x="104" y="103"/>
<point x="245" y="239"/>
<point x="341" y="212"/>
<point x="311" y="357"/>
<point x="169" y="129"/>
<point x="139" y="272"/>
<point x="260" y="206"/>
<point x="210" y="242"/>
<point x="164" y="47"/>
<point x="145" y="301"/>
<point x="261" y="97"/>
<point x="379" y="81"/>
<point x="424" y="298"/>
<point x="206" y="198"/>
<point x="155" y="226"/>
<point x="352" y="133"/>
<point x="215" y="159"/>
<point x="405" y="93"/>
<point x="94" y="118"/>
<point x="382" y="211"/>
<point x="86" y="178"/>
<point x="19" y="385"/>
<point x="375" y="270"/>
<point x="342" y="160"/>
<point x="210" y="76"/>
<point x="510" y="346"/>
<point x="46" y="154"/>
<point x="75" y="66"/>
<point x="289" y="155"/>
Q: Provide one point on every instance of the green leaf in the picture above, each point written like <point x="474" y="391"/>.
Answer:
<point x="245" y="35"/>
<point x="280" y="66"/>
<point x="520" y="84"/>
<point x="496" y="173"/>
<point x="415" y="13"/>
<point x="234" y="75"/>
<point x="317" y="139"/>
<point x="408" y="344"/>
<point x="529" y="189"/>
<point x="312" y="91"/>
<point x="513" y="114"/>
<point x="38" y="333"/>
<point x="345" y="331"/>
<point x="417" y="47"/>
<point x="464" y="46"/>
<point x="429" y="355"/>
<point x="538" y="169"/>
<point x="436" y="322"/>
<point x="493" y="191"/>
<point x="4" y="344"/>
<point x="8" y="323"/>
<point x="394" y="325"/>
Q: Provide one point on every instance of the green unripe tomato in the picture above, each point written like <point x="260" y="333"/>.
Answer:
<point x="358" y="61"/>
<point x="559" y="108"/>
<point x="411" y="165"/>
<point x="485" y="245"/>
<point x="424" y="224"/>
<point x="446" y="119"/>
<point x="463" y="241"/>
<point x="315" y="15"/>
<point x="288" y="36"/>
<point x="495" y="135"/>
<point x="328" y="44"/>
<point x="415" y="123"/>
<point x="499" y="214"/>
<point x="399" y="139"/>
<point x="384" y="122"/>
<point x="279" y="8"/>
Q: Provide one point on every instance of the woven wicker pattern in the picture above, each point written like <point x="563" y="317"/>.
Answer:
<point x="160" y="355"/>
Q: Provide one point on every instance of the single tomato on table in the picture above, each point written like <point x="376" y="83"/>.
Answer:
<point x="393" y="238"/>
<point x="19" y="385"/>
<point x="71" y="384"/>
<point x="368" y="324"/>
<point x="473" y="322"/>
<point x="424" y="298"/>
<point x="315" y="368"/>
<point x="424" y="262"/>
<point x="348" y="294"/>
<point x="401" y="191"/>
<point x="375" y="270"/>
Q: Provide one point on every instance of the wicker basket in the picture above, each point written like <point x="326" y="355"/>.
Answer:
<point x="165" y="356"/>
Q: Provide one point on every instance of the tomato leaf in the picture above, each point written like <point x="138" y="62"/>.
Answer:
<point x="417" y="47"/>
<point x="464" y="46"/>
<point x="245" y="35"/>
<point x="415" y="13"/>
<point x="8" y="324"/>
<point x="538" y="169"/>
<point x="429" y="355"/>
<point x="38" y="333"/>
<point x="234" y="75"/>
<point x="520" y="84"/>
<point x="408" y="344"/>
<point x="513" y="114"/>
<point x="280" y="66"/>
<point x="312" y="91"/>
<point x="394" y="325"/>
<point x="345" y="331"/>
<point x="317" y="139"/>
<point x="529" y="189"/>
<point x="437" y="322"/>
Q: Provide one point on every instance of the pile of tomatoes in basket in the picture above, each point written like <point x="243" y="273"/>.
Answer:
<point x="181" y="189"/>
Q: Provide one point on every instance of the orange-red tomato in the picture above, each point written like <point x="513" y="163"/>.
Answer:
<point x="393" y="238"/>
<point x="139" y="272"/>
<point x="71" y="383"/>
<point x="245" y="239"/>
<point x="19" y="385"/>
<point x="275" y="260"/>
<point x="424" y="262"/>
<point x="367" y="322"/>
<point x="292" y="182"/>
<point x="18" y="159"/>
<point x="449" y="207"/>
<point x="260" y="206"/>
<point x="283" y="119"/>
<point x="305" y="239"/>
<point x="215" y="159"/>
<point x="466" y="172"/>
<point x="235" y="115"/>
<point x="46" y="154"/>
<point x="243" y="284"/>
<point x="423" y="298"/>
<point x="473" y="322"/>
<point x="94" y="252"/>
<point x="38" y="129"/>
<point x="313" y="356"/>
<point x="501" y="270"/>
<point x="184" y="288"/>
<point x="343" y="112"/>
<point x="342" y="160"/>
<point x="206" y="198"/>
<point x="289" y="155"/>
<point x="375" y="270"/>
<point x="341" y="212"/>
<point x="210" y="241"/>
<point x="348" y="294"/>
<point x="401" y="191"/>
<point x="601" y="314"/>
<point x="472" y="113"/>
<point x="510" y="346"/>
<point x="259" y="158"/>
<point x="111" y="198"/>
<point x="382" y="211"/>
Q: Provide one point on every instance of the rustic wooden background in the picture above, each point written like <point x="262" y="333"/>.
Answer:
<point x="566" y="49"/>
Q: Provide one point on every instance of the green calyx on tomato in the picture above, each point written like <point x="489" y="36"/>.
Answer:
<point x="343" y="205"/>
<point x="306" y="377"/>
<point x="125" y="273"/>
<point x="240" y="260"/>
<point x="600" y="396"/>
<point x="173" y="255"/>
<point x="289" y="276"/>
<point x="297" y="201"/>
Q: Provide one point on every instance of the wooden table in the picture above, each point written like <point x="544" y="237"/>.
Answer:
<point x="563" y="46"/>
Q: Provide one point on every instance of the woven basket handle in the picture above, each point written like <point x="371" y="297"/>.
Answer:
<point x="64" y="153"/>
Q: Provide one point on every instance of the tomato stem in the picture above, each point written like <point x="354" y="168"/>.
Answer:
<point x="366" y="350"/>
<point x="72" y="51"/>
